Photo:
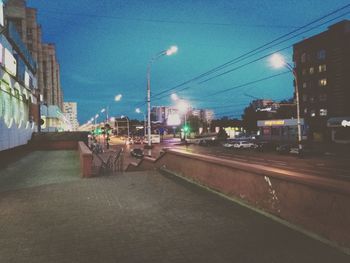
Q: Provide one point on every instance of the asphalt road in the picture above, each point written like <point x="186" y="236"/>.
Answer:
<point x="315" y="165"/>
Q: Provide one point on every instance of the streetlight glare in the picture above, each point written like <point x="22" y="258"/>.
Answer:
<point x="277" y="61"/>
<point x="138" y="110"/>
<point x="118" y="97"/>
<point x="96" y="116"/>
<point x="174" y="97"/>
<point x="171" y="50"/>
<point x="182" y="106"/>
<point x="103" y="110"/>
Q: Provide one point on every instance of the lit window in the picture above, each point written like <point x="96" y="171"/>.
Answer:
<point x="322" y="82"/>
<point x="312" y="113"/>
<point x="321" y="54"/>
<point x="312" y="70"/>
<point x="303" y="58"/>
<point x="304" y="85"/>
<point x="322" y="68"/>
<point x="323" y="112"/>
<point x="305" y="110"/>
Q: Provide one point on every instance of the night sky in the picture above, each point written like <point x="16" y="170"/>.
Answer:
<point x="104" y="46"/>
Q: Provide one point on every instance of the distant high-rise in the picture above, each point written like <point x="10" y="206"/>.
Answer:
<point x="71" y="113"/>
<point x="322" y="64"/>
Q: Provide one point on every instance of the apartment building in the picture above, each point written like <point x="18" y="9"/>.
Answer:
<point x="48" y="71"/>
<point x="322" y="65"/>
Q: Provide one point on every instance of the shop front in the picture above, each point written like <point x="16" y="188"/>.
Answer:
<point x="285" y="130"/>
<point x="340" y="129"/>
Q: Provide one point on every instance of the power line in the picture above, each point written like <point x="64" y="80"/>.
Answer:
<point x="256" y="49"/>
<point x="248" y="63"/>
<point x="229" y="71"/>
<point x="60" y="12"/>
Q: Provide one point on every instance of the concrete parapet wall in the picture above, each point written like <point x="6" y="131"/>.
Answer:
<point x="57" y="140"/>
<point x="85" y="156"/>
<point x="317" y="204"/>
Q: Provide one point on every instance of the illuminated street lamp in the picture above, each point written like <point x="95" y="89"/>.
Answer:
<point x="137" y="110"/>
<point x="96" y="116"/>
<point x="278" y="61"/>
<point x="118" y="97"/>
<point x="168" y="52"/>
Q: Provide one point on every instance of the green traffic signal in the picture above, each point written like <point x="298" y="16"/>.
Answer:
<point x="186" y="128"/>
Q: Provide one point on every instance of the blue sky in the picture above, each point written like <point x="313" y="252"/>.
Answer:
<point x="103" y="48"/>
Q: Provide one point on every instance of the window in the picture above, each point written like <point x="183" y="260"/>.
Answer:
<point x="311" y="70"/>
<point x="304" y="97"/>
<point x="322" y="82"/>
<point x="29" y="33"/>
<point x="322" y="68"/>
<point x="305" y="111"/>
<point x="323" y="97"/>
<point x="303" y="58"/>
<point x="304" y="85"/>
<point x="312" y="99"/>
<point x="312" y="113"/>
<point x="321" y="54"/>
<point x="304" y="71"/>
<point x="323" y="112"/>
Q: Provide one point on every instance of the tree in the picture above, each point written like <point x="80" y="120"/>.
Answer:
<point x="194" y="123"/>
<point x="250" y="118"/>
<point x="287" y="109"/>
<point x="222" y="135"/>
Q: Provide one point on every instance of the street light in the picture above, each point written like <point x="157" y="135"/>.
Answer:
<point x="127" y="120"/>
<point x="118" y="97"/>
<point x="168" y="52"/>
<point x="278" y="61"/>
<point x="137" y="110"/>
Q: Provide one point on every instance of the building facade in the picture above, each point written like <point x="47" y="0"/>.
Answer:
<point x="48" y="70"/>
<point x="322" y="65"/>
<point x="71" y="113"/>
<point x="18" y="88"/>
<point x="205" y="115"/>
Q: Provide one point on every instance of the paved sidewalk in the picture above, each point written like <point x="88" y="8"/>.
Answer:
<point x="142" y="217"/>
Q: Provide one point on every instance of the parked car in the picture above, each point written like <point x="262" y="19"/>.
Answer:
<point x="137" y="153"/>
<point x="228" y="144"/>
<point x="244" y="145"/>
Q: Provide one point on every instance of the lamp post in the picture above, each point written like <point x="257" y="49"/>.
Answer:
<point x="167" y="52"/>
<point x="127" y="120"/>
<point x="278" y="61"/>
<point x="144" y="121"/>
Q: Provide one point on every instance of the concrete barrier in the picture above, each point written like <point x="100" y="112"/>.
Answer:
<point x="319" y="205"/>
<point x="85" y="160"/>
<point x="57" y="140"/>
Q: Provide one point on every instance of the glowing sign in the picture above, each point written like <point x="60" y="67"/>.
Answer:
<point x="274" y="123"/>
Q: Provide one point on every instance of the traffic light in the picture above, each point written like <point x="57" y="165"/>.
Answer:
<point x="186" y="128"/>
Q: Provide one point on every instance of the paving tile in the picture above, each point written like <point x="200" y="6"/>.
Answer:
<point x="140" y="217"/>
